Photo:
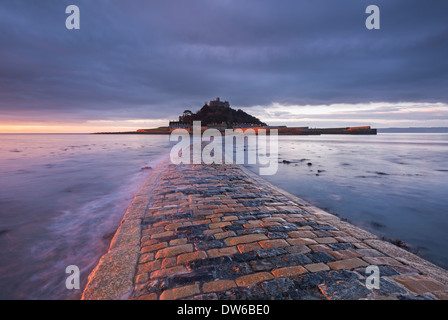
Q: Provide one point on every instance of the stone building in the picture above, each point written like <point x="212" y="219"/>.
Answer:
<point x="218" y="103"/>
<point x="179" y="125"/>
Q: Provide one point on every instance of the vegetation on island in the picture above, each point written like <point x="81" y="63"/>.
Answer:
<point x="216" y="115"/>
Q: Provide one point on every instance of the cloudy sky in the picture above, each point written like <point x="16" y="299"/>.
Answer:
<point x="137" y="64"/>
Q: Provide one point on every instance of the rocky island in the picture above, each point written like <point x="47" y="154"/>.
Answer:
<point x="219" y="115"/>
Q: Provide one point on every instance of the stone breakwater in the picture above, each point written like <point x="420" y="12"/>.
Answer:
<point x="222" y="232"/>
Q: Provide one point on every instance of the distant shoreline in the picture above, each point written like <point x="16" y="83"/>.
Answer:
<point x="280" y="130"/>
<point x="379" y="130"/>
<point x="414" y="130"/>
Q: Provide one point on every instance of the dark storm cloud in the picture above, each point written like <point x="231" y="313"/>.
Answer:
<point x="153" y="59"/>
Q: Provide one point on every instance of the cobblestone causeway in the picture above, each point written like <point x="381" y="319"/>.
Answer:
<point x="221" y="232"/>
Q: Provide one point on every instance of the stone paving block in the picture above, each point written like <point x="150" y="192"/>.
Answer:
<point x="288" y="271"/>
<point x="179" y="293"/>
<point x="419" y="284"/>
<point x="326" y="227"/>
<point x="213" y="231"/>
<point x="248" y="247"/>
<point x="223" y="235"/>
<point x="213" y="253"/>
<point x="278" y="243"/>
<point x="146" y="257"/>
<point x="347" y="264"/>
<point x="278" y="288"/>
<point x="252" y="279"/>
<point x="154" y="231"/>
<point x="349" y="239"/>
<point x="201" y="222"/>
<point x="300" y="241"/>
<point x="345" y="254"/>
<point x="244" y="257"/>
<point x="230" y="218"/>
<point x="316" y="267"/>
<point x="338" y="233"/>
<point x="275" y="219"/>
<point x="370" y="253"/>
<point x="149" y="266"/>
<point x="162" y="235"/>
<point x="266" y="253"/>
<point x="219" y="225"/>
<point x="146" y="241"/>
<point x="154" y="247"/>
<point x="141" y="277"/>
<point x="305" y="228"/>
<point x="404" y="269"/>
<point x="218" y="285"/>
<point x="298" y="249"/>
<point x="341" y="246"/>
<point x="320" y="256"/>
<point x="162" y="273"/>
<point x="382" y="261"/>
<point x="245" y="239"/>
<point x="185" y="278"/>
<point x="288" y="260"/>
<point x="187" y="257"/>
<point x="277" y="235"/>
<point x="345" y="290"/>
<point x="325" y="234"/>
<point x="207" y="244"/>
<point x="173" y="251"/>
<point x="361" y="245"/>
<point x="177" y="242"/>
<point x="388" y="287"/>
<point x="302" y="234"/>
<point x="168" y="262"/>
<point x="319" y="247"/>
<point x="261" y="265"/>
<point x="326" y="240"/>
<point x="151" y="296"/>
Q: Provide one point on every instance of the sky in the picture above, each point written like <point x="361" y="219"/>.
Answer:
<point x="138" y="64"/>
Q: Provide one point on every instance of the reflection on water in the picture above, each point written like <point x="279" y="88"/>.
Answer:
<point x="61" y="200"/>
<point x="394" y="185"/>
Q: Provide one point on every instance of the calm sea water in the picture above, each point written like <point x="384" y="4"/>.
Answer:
<point x="61" y="199"/>
<point x="62" y="196"/>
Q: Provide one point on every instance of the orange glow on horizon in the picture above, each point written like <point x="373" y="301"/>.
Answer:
<point x="89" y="126"/>
<point x="60" y="128"/>
<point x="46" y="129"/>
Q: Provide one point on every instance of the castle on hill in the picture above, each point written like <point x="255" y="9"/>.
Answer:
<point x="218" y="103"/>
<point x="217" y="114"/>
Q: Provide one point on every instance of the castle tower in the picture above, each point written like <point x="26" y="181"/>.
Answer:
<point x="218" y="103"/>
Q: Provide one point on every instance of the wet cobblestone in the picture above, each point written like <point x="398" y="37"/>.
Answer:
<point x="212" y="232"/>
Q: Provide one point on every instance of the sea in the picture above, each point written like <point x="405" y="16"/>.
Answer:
<point x="62" y="196"/>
